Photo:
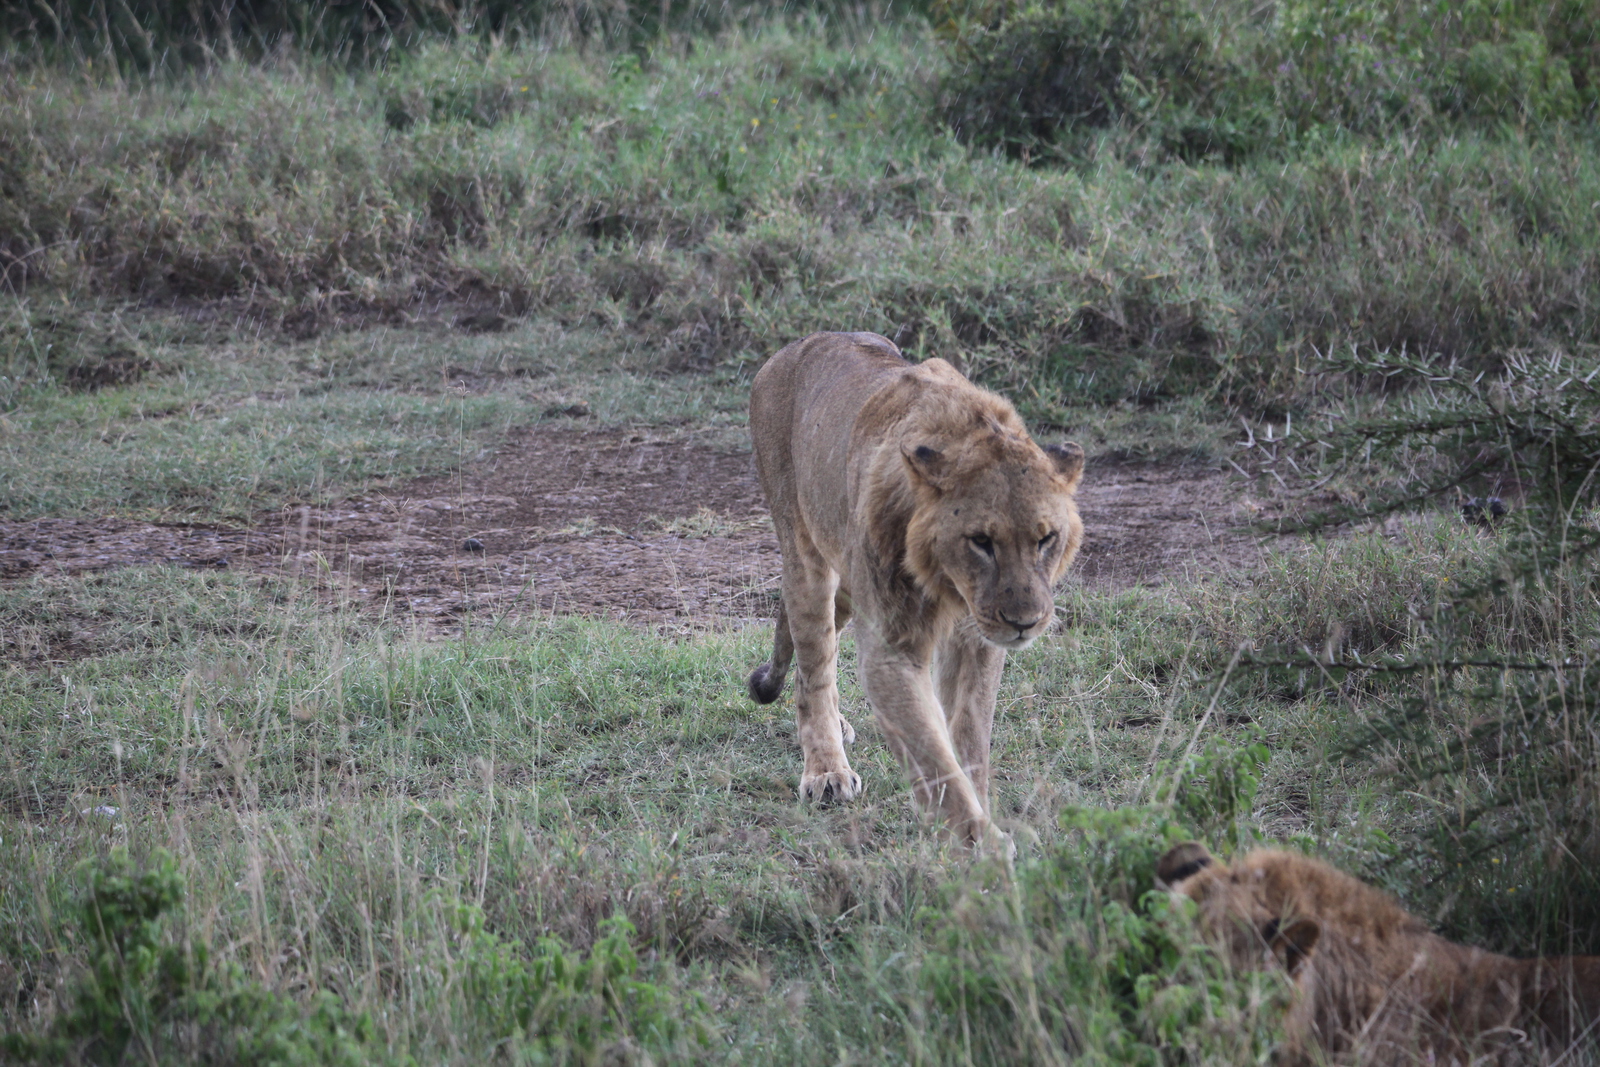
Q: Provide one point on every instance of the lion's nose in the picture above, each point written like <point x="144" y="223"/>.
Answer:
<point x="1022" y="627"/>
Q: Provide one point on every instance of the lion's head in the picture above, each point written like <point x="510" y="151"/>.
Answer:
<point x="994" y="522"/>
<point x="1250" y="909"/>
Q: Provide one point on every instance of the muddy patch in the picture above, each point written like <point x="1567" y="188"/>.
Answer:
<point x="80" y="546"/>
<point x="621" y="526"/>
<point x="1150" y="525"/>
<point x="626" y="526"/>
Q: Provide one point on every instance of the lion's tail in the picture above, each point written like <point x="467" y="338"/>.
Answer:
<point x="766" y="681"/>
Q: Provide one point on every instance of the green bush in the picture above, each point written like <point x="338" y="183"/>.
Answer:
<point x="1085" y="954"/>
<point x="145" y="997"/>
<point x="570" y="1006"/>
<point x="1517" y="78"/>
<point x="1051" y="70"/>
<point x="1220" y="81"/>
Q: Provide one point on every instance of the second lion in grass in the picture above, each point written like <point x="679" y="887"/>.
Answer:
<point x="912" y="500"/>
<point x="1372" y="984"/>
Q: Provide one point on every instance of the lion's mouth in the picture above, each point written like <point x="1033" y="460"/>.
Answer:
<point x="1010" y="637"/>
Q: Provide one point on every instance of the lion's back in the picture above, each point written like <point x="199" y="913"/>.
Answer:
<point x="803" y="407"/>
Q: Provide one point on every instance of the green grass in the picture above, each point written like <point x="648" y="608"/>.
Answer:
<point x="334" y="790"/>
<point x="229" y="426"/>
<point x="230" y="423"/>
<point x="330" y="788"/>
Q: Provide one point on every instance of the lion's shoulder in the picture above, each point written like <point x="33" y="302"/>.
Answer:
<point x="933" y="403"/>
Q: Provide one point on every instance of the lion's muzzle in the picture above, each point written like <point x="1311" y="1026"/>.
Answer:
<point x="1011" y="635"/>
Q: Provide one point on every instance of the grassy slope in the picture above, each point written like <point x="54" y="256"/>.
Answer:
<point x="711" y="201"/>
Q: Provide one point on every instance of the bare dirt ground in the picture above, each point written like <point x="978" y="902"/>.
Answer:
<point x="659" y="530"/>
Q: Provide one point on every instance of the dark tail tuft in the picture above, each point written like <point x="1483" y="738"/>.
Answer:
<point x="766" y="681"/>
<point x="765" y="684"/>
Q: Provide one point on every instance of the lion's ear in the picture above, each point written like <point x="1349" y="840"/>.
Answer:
<point x="927" y="464"/>
<point x="1068" y="459"/>
<point x="1182" y="861"/>
<point x="1294" y="943"/>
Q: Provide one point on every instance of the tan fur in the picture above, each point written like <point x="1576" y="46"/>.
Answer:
<point x="1373" y="983"/>
<point x="880" y="475"/>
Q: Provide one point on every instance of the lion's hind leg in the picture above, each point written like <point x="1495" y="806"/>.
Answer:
<point x="842" y="609"/>
<point x="766" y="681"/>
<point x="809" y="600"/>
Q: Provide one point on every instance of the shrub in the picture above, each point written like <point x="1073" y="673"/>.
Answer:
<point x="1220" y="81"/>
<point x="1086" y="954"/>
<point x="146" y="997"/>
<point x="1024" y="81"/>
<point x="147" y="994"/>
<point x="1517" y="78"/>
<point x="1493" y="709"/>
<point x="560" y="1003"/>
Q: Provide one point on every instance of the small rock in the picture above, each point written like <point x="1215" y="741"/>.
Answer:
<point x="472" y="544"/>
<point x="483" y="322"/>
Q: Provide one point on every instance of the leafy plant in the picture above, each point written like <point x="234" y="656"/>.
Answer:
<point x="558" y="1001"/>
<point x="1086" y="953"/>
<point x="1220" y="81"/>
<point x="146" y="997"/>
<point x="1212" y="790"/>
<point x="1027" y="78"/>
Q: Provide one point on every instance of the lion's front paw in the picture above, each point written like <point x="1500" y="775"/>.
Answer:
<point x="847" y="730"/>
<point x="984" y="838"/>
<point x="996" y="843"/>
<point x="830" y="787"/>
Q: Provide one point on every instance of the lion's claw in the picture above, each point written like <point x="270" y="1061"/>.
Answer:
<point x="830" y="787"/>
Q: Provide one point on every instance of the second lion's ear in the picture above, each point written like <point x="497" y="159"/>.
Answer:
<point x="927" y="464"/>
<point x="1068" y="459"/>
<point x="1182" y="861"/>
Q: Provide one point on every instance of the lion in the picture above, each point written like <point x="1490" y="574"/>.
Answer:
<point x="912" y="500"/>
<point x="1372" y="983"/>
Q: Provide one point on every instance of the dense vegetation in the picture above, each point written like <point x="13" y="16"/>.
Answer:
<point x="714" y="199"/>
<point x="245" y="823"/>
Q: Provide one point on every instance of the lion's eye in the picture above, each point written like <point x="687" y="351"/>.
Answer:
<point x="982" y="543"/>
<point x="1047" y="540"/>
